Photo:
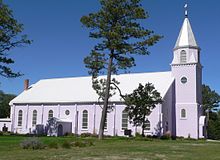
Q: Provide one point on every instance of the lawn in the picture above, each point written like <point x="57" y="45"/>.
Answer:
<point x="112" y="149"/>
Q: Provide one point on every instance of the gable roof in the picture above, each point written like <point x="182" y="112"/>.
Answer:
<point x="79" y="89"/>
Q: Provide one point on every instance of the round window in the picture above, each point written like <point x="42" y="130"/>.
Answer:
<point x="183" y="80"/>
<point x="67" y="112"/>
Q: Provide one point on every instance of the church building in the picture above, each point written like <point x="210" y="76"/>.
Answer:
<point x="73" y="104"/>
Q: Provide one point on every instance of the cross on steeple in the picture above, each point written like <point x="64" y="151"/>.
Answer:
<point x="186" y="11"/>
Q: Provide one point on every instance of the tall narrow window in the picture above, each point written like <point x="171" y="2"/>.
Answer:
<point x="85" y="119"/>
<point x="147" y="125"/>
<point x="50" y="114"/>
<point x="183" y="56"/>
<point x="106" y="123"/>
<point x="183" y="113"/>
<point x="20" y="118"/>
<point x="124" y="123"/>
<point x="34" y="118"/>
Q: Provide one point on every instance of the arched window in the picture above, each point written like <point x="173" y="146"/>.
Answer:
<point x="34" y="118"/>
<point x="106" y="124"/>
<point x="183" y="56"/>
<point x="85" y="119"/>
<point x="50" y="114"/>
<point x="20" y="117"/>
<point x="124" y="123"/>
<point x="147" y="125"/>
<point x="183" y="113"/>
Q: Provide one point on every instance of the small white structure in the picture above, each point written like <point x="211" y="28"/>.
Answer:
<point x="74" y="103"/>
<point x="5" y="124"/>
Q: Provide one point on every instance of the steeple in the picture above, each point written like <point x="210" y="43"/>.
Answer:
<point x="186" y="50"/>
<point x="187" y="72"/>
<point x="186" y="37"/>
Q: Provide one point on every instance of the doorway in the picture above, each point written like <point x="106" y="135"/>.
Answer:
<point x="60" y="130"/>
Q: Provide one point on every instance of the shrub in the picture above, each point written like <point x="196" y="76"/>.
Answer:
<point x="90" y="143"/>
<point x="180" y="138"/>
<point x="53" y="145"/>
<point x="79" y="144"/>
<point x="85" y="135"/>
<point x="70" y="134"/>
<point x="137" y="134"/>
<point x="166" y="136"/>
<point x="66" y="144"/>
<point x="32" y="143"/>
<point x="1" y="133"/>
<point x="83" y="144"/>
<point x="173" y="137"/>
<point x="88" y="135"/>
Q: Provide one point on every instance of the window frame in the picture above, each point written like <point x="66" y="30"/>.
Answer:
<point x="123" y="119"/>
<point x="34" y="118"/>
<point x="148" y="125"/>
<point x="20" y="117"/>
<point x="106" y="123"/>
<point x="183" y="57"/>
<point x="85" y="119"/>
<point x="183" y="112"/>
<point x="67" y="112"/>
<point x="50" y="112"/>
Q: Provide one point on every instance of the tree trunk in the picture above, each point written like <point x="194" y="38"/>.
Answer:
<point x="105" y="107"/>
<point x="143" y="126"/>
<point x="143" y="131"/>
<point x="207" y="124"/>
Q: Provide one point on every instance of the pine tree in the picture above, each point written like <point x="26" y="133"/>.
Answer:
<point x="120" y="37"/>
<point x="10" y="38"/>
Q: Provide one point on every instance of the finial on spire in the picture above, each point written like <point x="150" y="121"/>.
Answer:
<point x="186" y="11"/>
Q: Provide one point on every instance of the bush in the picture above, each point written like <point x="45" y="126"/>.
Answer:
<point x="80" y="144"/>
<point x="85" y="135"/>
<point x="137" y="134"/>
<point x="66" y="144"/>
<point x="1" y="133"/>
<point x="90" y="143"/>
<point x="88" y="135"/>
<point x="70" y="134"/>
<point x="83" y="144"/>
<point x="166" y="136"/>
<point x="32" y="143"/>
<point x="180" y="138"/>
<point x="53" y="145"/>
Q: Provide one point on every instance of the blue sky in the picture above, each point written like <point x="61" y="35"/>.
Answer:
<point x="60" y="43"/>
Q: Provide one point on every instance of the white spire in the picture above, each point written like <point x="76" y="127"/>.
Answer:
<point x="186" y="37"/>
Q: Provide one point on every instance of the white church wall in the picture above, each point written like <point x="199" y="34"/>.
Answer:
<point x="72" y="114"/>
<point x="30" y="110"/>
<point x="155" y="119"/>
<point x="168" y="112"/>
<point x="184" y="128"/>
<point x="118" y="120"/>
<point x="114" y="118"/>
<point x="185" y="93"/>
<point x="90" y="110"/>
<point x="64" y="112"/>
<point x="23" y="127"/>
<point x="47" y="108"/>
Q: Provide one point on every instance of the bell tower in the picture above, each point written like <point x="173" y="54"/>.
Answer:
<point x="187" y="71"/>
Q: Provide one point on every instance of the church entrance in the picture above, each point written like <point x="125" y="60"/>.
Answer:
<point x="60" y="130"/>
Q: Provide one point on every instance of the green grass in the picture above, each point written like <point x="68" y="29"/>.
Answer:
<point x="111" y="149"/>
